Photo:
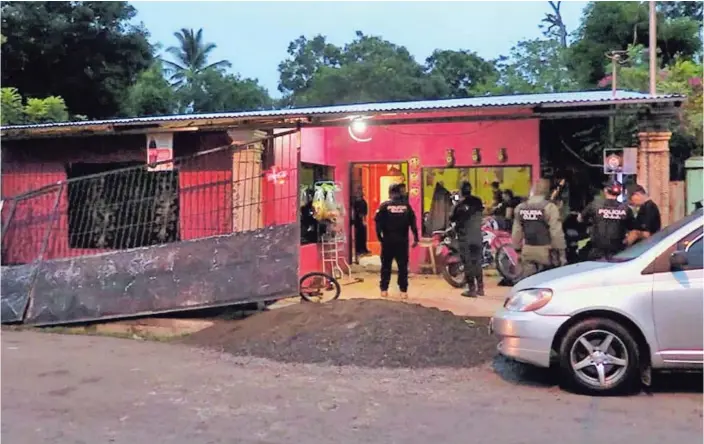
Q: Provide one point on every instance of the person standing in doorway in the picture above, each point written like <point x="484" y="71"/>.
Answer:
<point x="393" y="220"/>
<point x="360" y="210"/>
<point x="537" y="232"/>
<point x="467" y="216"/>
<point x="648" y="220"/>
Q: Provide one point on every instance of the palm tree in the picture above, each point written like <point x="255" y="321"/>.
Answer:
<point x="191" y="58"/>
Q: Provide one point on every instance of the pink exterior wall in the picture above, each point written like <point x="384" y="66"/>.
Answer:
<point x="429" y="142"/>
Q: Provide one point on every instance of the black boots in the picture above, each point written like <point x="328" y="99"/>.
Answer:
<point x="475" y="288"/>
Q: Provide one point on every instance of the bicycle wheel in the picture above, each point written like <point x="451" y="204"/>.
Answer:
<point x="319" y="287"/>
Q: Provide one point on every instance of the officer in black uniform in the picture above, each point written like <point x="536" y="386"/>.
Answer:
<point x="393" y="219"/>
<point x="611" y="220"/>
<point x="537" y="232"/>
<point x="467" y="216"/>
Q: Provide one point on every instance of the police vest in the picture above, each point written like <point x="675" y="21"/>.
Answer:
<point x="610" y="225"/>
<point x="535" y="228"/>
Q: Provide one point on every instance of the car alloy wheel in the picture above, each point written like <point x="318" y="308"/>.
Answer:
<point x="599" y="358"/>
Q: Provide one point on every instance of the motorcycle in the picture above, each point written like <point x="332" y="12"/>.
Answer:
<point x="447" y="248"/>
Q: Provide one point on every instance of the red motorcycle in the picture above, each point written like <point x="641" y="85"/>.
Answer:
<point x="503" y="255"/>
<point x="496" y="249"/>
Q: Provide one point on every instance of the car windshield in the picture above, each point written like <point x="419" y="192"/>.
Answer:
<point x="641" y="247"/>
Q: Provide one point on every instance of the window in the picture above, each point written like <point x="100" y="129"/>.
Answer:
<point x="114" y="206"/>
<point x="694" y="255"/>
<point x="440" y="183"/>
<point x="309" y="174"/>
<point x="640" y="248"/>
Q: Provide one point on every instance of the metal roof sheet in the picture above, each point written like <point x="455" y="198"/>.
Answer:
<point x="576" y="98"/>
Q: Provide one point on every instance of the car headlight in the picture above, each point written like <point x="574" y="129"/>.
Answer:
<point x="528" y="300"/>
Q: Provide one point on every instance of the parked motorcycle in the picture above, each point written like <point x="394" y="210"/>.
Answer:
<point x="447" y="248"/>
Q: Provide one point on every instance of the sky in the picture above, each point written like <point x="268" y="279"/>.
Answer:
<point x="254" y="36"/>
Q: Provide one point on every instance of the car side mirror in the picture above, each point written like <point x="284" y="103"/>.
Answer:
<point x="678" y="259"/>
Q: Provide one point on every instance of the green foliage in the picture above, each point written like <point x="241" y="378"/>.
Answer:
<point x="680" y="77"/>
<point x="463" y="71"/>
<point x="86" y="52"/>
<point x="608" y="26"/>
<point x="212" y="91"/>
<point x="191" y="58"/>
<point x="151" y="95"/>
<point x="369" y="69"/>
<point x="533" y="66"/>
<point x="49" y="109"/>
<point x="12" y="110"/>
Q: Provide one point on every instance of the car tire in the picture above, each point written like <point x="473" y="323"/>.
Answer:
<point x="609" y="368"/>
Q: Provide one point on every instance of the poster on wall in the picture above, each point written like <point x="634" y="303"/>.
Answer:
<point x="160" y="151"/>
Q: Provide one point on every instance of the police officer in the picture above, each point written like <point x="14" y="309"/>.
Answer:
<point x="611" y="220"/>
<point x="393" y="219"/>
<point x="537" y="232"/>
<point x="467" y="216"/>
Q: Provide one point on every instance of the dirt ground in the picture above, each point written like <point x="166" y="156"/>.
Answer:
<point x="360" y="332"/>
<point x="78" y="389"/>
<point x="428" y="291"/>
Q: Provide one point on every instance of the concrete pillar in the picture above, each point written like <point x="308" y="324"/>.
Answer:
<point x="654" y="169"/>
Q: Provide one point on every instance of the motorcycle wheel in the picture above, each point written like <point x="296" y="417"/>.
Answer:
<point x="453" y="273"/>
<point x="505" y="266"/>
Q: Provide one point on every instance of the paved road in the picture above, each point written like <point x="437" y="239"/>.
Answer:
<point x="77" y="389"/>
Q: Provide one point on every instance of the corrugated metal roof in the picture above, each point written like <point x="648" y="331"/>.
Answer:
<point x="576" y="98"/>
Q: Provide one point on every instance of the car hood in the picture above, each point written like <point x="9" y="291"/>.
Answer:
<point x="570" y="276"/>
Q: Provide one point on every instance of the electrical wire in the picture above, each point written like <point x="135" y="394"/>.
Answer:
<point x="592" y="165"/>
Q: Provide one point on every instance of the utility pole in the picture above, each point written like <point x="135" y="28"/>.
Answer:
<point x="616" y="57"/>
<point x="653" y="34"/>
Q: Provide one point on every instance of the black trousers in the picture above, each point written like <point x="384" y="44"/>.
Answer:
<point x="394" y="251"/>
<point x="360" y="238"/>
<point x="471" y="256"/>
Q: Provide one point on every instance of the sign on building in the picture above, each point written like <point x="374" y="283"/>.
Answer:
<point x="620" y="160"/>
<point x="160" y="151"/>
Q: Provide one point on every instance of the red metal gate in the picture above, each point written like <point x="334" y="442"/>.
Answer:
<point x="215" y="228"/>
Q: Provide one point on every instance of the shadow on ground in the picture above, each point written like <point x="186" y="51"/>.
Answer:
<point x="527" y="375"/>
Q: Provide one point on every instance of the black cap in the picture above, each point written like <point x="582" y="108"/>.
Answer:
<point x="395" y="188"/>
<point x="614" y="187"/>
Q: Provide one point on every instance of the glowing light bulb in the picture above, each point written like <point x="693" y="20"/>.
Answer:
<point x="359" y="126"/>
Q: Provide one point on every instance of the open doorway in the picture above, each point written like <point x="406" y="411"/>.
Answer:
<point x="373" y="179"/>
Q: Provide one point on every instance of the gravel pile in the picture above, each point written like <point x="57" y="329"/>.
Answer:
<point x="359" y="332"/>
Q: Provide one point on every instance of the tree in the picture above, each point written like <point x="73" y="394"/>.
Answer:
<point x="680" y="77"/>
<point x="151" y="95"/>
<point x="214" y="91"/>
<point x="12" y="111"/>
<point x="533" y="66"/>
<point x="462" y="70"/>
<point x="553" y="26"/>
<point x="608" y="26"/>
<point x="369" y="69"/>
<point x="306" y="57"/>
<point x="191" y="58"/>
<point x="86" y="52"/>
<point x="49" y="109"/>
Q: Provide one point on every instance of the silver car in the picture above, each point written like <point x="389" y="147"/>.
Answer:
<point x="608" y="323"/>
